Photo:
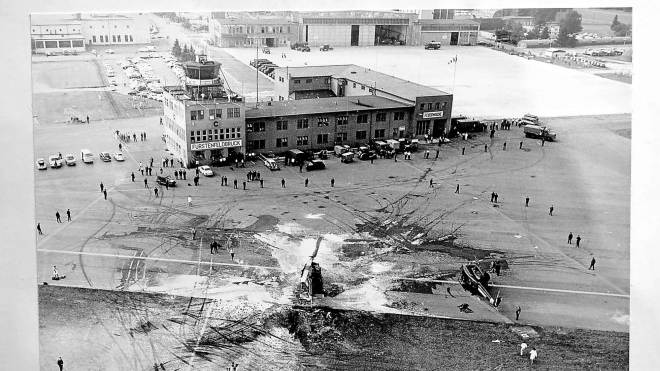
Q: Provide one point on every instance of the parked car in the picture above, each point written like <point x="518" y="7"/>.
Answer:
<point x="433" y="45"/>
<point x="305" y="49"/>
<point x="109" y="51"/>
<point x="163" y="180"/>
<point x="325" y="48"/>
<point x="70" y="52"/>
<point x="105" y="156"/>
<point x="41" y="164"/>
<point x="69" y="160"/>
<point x="118" y="156"/>
<point x="265" y="50"/>
<point x="55" y="161"/>
<point x="315" y="165"/>
<point x="205" y="170"/>
<point x="298" y="45"/>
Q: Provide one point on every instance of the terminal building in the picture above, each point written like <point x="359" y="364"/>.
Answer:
<point x="60" y="32"/>
<point x="203" y="122"/>
<point x="319" y="107"/>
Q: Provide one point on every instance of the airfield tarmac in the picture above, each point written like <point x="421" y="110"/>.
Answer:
<point x="585" y="175"/>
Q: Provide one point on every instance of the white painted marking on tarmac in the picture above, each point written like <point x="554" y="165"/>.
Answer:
<point x="155" y="259"/>
<point x="314" y="216"/>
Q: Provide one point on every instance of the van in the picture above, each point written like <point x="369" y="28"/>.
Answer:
<point x="86" y="156"/>
<point x="433" y="45"/>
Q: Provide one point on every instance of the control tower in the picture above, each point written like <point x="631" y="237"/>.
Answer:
<point x="202" y="81"/>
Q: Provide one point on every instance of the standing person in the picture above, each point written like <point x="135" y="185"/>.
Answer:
<point x="542" y="142"/>
<point x="523" y="346"/>
<point x="430" y="183"/>
<point x="532" y="355"/>
<point x="101" y="187"/>
<point x="521" y="145"/>
<point x="132" y="176"/>
<point x="145" y="136"/>
<point x="134" y="137"/>
<point x="244" y="184"/>
<point x="570" y="238"/>
<point x="485" y="147"/>
<point x="105" y="194"/>
<point x="332" y="182"/>
<point x="60" y="363"/>
<point x="427" y="152"/>
<point x="492" y="197"/>
<point x="88" y="119"/>
<point x="458" y="189"/>
<point x="504" y="147"/>
<point x="119" y="147"/>
<point x="518" y="316"/>
<point x="189" y="201"/>
<point x="283" y="183"/>
<point x="156" y="191"/>
<point x="527" y="201"/>
<point x="68" y="215"/>
<point x="39" y="228"/>
<point x="176" y="175"/>
<point x="145" y="183"/>
<point x="231" y="252"/>
<point x="57" y="216"/>
<point x="261" y="182"/>
<point x="437" y="153"/>
<point x="56" y="275"/>
<point x="184" y="174"/>
<point x="167" y="185"/>
<point x="552" y="208"/>
<point x="306" y="181"/>
<point x="212" y="245"/>
<point x="235" y="183"/>
<point x="577" y="241"/>
<point x="496" y="197"/>
<point x="593" y="263"/>
<point x="463" y="151"/>
<point x="193" y="232"/>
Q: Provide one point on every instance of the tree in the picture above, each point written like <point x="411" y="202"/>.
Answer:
<point x="517" y="31"/>
<point x="545" y="34"/>
<point x="176" y="49"/>
<point x="615" y="22"/>
<point x="570" y="25"/>
<point x="543" y="16"/>
<point x="490" y="24"/>
<point x="621" y="29"/>
<point x="186" y="24"/>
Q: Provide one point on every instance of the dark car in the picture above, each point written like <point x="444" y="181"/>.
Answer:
<point x="325" y="48"/>
<point x="433" y="45"/>
<point x="305" y="49"/>
<point x="163" y="180"/>
<point x="265" y="50"/>
<point x="298" y="45"/>
<point x="315" y="165"/>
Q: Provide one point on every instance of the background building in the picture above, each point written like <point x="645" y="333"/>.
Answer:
<point x="65" y="31"/>
<point x="229" y="32"/>
<point x="202" y="124"/>
<point x="449" y="31"/>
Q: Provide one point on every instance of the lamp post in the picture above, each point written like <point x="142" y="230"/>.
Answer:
<point x="625" y="37"/>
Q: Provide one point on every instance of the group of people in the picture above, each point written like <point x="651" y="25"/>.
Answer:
<point x="126" y="137"/>
<point x="253" y="175"/>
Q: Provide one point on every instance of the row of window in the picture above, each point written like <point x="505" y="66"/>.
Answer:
<point x="321" y="139"/>
<point x="308" y="81"/>
<point x="215" y="114"/>
<point x="438" y="106"/>
<point x="60" y="44"/>
<point x="258" y="29"/>
<point x="115" y="38"/>
<point x="197" y="136"/>
<point x="363" y="87"/>
<point x="303" y="123"/>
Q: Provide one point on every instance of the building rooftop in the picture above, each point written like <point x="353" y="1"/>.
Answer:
<point x="393" y="85"/>
<point x="257" y="21"/>
<point x="322" y="106"/>
<point x="311" y="71"/>
<point x="448" y="21"/>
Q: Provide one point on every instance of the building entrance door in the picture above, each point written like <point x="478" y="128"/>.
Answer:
<point x="355" y="35"/>
<point x="454" y="38"/>
<point x="270" y="41"/>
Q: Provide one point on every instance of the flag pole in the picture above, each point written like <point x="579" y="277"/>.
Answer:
<point x="453" y="88"/>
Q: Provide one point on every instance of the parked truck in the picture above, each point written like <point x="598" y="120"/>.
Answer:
<point x="536" y="131"/>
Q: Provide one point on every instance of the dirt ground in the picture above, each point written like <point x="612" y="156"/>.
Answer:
<point x="143" y="330"/>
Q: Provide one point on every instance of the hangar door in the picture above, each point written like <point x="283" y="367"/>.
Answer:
<point x="355" y="35"/>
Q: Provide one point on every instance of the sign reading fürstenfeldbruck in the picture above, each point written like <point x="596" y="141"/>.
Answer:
<point x="214" y="145"/>
<point x="431" y="115"/>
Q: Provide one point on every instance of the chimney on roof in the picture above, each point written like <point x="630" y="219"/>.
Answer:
<point x="78" y="17"/>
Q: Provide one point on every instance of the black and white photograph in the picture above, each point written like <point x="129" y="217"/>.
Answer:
<point x="386" y="187"/>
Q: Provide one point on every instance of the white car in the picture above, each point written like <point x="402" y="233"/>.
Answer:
<point x="41" y="164"/>
<point x="112" y="88"/>
<point x="109" y="51"/>
<point x="143" y="50"/>
<point x="205" y="170"/>
<point x="118" y="156"/>
<point x="112" y="81"/>
<point x="70" y="160"/>
<point x="55" y="161"/>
